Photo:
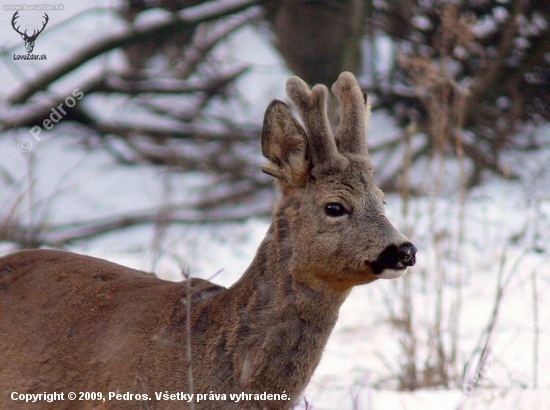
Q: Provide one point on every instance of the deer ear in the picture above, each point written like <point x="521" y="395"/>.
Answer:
<point x="284" y="144"/>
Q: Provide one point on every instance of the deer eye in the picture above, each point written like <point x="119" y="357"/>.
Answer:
<point x="335" y="209"/>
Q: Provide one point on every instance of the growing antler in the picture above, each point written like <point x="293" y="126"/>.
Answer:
<point x="312" y="106"/>
<point x="355" y="113"/>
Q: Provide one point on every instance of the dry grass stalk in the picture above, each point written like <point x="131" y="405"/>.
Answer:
<point x="445" y="103"/>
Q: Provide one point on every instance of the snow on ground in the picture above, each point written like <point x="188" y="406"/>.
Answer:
<point x="506" y="228"/>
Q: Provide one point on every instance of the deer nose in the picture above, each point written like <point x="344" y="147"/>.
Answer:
<point x="407" y="254"/>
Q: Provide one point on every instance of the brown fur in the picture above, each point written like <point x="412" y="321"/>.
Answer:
<point x="75" y="323"/>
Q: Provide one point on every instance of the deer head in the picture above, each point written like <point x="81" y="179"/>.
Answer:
<point x="330" y="202"/>
<point x="29" y="40"/>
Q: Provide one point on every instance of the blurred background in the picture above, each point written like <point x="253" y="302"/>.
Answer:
<point x="132" y="134"/>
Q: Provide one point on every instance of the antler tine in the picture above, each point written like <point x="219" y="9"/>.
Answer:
<point x="47" y="18"/>
<point x="312" y="106"/>
<point x="355" y="112"/>
<point x="15" y="17"/>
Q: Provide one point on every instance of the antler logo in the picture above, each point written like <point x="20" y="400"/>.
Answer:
<point x="29" y="40"/>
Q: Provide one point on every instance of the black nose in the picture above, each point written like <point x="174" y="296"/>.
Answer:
<point x="407" y="254"/>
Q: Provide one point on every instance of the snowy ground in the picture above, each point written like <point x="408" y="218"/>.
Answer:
<point x="503" y="221"/>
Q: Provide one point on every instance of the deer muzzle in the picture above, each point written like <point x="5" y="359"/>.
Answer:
<point x="394" y="260"/>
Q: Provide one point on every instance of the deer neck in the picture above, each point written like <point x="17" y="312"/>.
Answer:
<point x="284" y="321"/>
<point x="274" y="279"/>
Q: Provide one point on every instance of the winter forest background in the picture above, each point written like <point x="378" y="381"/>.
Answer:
<point x="154" y="162"/>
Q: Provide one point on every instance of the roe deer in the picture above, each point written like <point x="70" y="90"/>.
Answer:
<point x="73" y="323"/>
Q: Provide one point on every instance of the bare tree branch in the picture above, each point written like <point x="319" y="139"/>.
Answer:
<point x="161" y="86"/>
<point x="64" y="234"/>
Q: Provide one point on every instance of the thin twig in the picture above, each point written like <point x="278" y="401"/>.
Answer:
<point x="503" y="281"/>
<point x="188" y="353"/>
<point x="536" y="330"/>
